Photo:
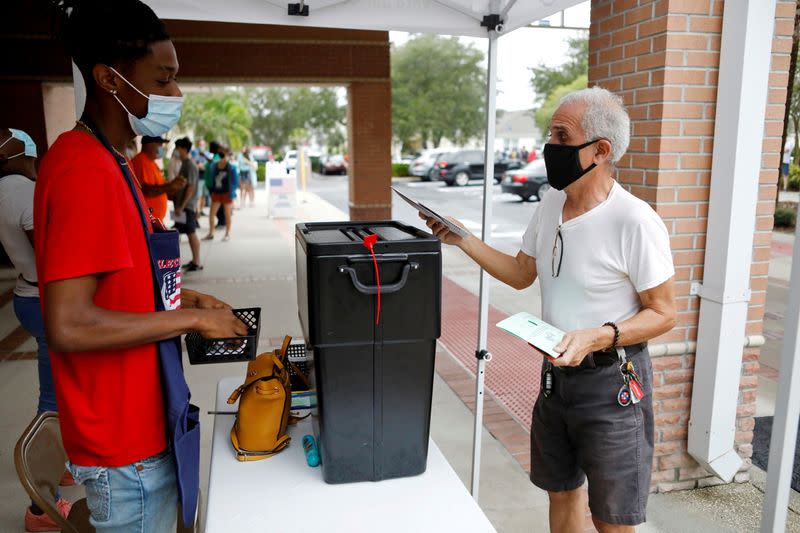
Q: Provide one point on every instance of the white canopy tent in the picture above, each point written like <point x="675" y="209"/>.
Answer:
<point x="476" y="18"/>
<point x="491" y="19"/>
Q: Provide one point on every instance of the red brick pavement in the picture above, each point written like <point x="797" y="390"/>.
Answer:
<point x="513" y="374"/>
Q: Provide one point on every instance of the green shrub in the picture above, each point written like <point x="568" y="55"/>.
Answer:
<point x="785" y="217"/>
<point x="399" y="170"/>
<point x="261" y="172"/>
<point x="316" y="164"/>
<point x="794" y="178"/>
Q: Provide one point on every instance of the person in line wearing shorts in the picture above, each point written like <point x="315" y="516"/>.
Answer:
<point x="224" y="181"/>
<point x="186" y="201"/>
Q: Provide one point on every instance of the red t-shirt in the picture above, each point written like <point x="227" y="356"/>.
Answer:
<point x="85" y="222"/>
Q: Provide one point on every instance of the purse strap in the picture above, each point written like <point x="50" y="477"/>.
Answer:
<point x="277" y="356"/>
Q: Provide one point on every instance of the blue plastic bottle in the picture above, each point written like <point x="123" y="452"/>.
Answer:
<point x="312" y="453"/>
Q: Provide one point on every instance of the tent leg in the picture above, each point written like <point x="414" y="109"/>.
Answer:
<point x="787" y="412"/>
<point x="488" y="187"/>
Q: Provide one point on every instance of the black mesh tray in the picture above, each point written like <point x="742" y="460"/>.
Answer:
<point x="296" y="354"/>
<point x="231" y="350"/>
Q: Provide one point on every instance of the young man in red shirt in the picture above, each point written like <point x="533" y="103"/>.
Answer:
<point x="93" y="247"/>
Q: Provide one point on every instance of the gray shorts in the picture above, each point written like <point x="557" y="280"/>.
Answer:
<point x="580" y="432"/>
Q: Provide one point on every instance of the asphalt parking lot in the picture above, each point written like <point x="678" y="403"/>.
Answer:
<point x="510" y="214"/>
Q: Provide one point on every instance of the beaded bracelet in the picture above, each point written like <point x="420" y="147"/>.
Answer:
<point x="616" y="334"/>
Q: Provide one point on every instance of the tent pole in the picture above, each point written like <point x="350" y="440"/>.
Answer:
<point x="787" y="412"/>
<point x="488" y="186"/>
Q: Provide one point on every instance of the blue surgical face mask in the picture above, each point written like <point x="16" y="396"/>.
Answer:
<point x="163" y="112"/>
<point x="161" y="152"/>
<point x="30" y="146"/>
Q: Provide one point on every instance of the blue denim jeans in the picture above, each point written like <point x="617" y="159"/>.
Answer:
<point x="141" y="497"/>
<point x="29" y="314"/>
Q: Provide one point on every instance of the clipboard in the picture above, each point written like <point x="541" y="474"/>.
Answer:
<point x="455" y="228"/>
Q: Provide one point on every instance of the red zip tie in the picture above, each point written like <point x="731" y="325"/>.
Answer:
<point x="369" y="243"/>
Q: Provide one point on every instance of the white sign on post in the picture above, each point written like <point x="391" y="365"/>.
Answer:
<point x="282" y="189"/>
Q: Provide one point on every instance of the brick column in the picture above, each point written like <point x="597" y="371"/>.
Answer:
<point x="662" y="57"/>
<point x="369" y="130"/>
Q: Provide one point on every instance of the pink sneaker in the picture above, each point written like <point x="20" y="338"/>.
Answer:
<point x="35" y="523"/>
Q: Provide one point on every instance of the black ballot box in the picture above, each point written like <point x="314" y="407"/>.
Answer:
<point x="373" y="380"/>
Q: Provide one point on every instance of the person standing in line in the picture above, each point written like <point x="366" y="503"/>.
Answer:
<point x="200" y="157"/>
<point x="186" y="200"/>
<point x="224" y="184"/>
<point x="109" y="280"/>
<point x="17" y="176"/>
<point x="212" y="156"/>
<point x="174" y="166"/>
<point x="603" y="260"/>
<point x="248" y="177"/>
<point x="154" y="186"/>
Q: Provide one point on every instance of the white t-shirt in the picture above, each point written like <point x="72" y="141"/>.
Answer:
<point x="16" y="217"/>
<point x="611" y="253"/>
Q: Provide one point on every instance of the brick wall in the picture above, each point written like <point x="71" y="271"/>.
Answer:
<point x="662" y="57"/>
<point x="369" y="130"/>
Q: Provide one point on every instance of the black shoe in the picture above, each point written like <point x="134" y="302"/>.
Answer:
<point x="191" y="267"/>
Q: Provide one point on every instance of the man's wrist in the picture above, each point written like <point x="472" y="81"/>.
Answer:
<point x="467" y="244"/>
<point x="605" y="338"/>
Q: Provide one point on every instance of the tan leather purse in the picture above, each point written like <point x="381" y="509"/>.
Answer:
<point x="265" y="398"/>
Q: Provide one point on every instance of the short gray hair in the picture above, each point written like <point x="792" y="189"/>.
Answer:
<point x="605" y="118"/>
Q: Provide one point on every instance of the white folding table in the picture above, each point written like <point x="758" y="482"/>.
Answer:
<point x="283" y="494"/>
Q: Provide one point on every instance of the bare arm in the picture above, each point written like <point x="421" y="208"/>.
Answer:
<point x="518" y="272"/>
<point x="168" y="188"/>
<point x="75" y="324"/>
<point x="189" y="192"/>
<point x="657" y="316"/>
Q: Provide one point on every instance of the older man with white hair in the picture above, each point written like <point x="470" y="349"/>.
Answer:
<point x="605" y="268"/>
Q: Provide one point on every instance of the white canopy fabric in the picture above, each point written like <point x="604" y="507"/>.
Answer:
<point x="449" y="17"/>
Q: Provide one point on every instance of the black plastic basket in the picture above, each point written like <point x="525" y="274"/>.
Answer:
<point x="296" y="354"/>
<point x="231" y="350"/>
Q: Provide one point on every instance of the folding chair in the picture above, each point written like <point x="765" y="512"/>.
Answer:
<point x="40" y="460"/>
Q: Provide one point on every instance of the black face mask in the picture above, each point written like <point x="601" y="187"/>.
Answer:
<point x="563" y="164"/>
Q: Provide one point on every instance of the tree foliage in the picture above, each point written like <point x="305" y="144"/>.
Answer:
<point x="222" y="116"/>
<point x="438" y="87"/>
<point x="288" y="115"/>
<point x="794" y="114"/>
<point x="546" y="110"/>
<point x="546" y="79"/>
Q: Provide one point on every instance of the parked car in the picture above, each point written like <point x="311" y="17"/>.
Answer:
<point x="421" y="166"/>
<point x="291" y="160"/>
<point x="261" y="154"/>
<point x="334" y="164"/>
<point x="459" y="168"/>
<point x="528" y="181"/>
<point x="433" y="172"/>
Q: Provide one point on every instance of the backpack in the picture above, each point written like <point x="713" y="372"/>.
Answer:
<point x="265" y="398"/>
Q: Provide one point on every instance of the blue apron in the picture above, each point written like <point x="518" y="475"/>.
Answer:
<point x="182" y="418"/>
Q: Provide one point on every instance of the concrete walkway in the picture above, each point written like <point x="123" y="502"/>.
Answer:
<point x="257" y="268"/>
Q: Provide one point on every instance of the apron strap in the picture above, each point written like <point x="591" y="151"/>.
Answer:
<point x="143" y="213"/>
